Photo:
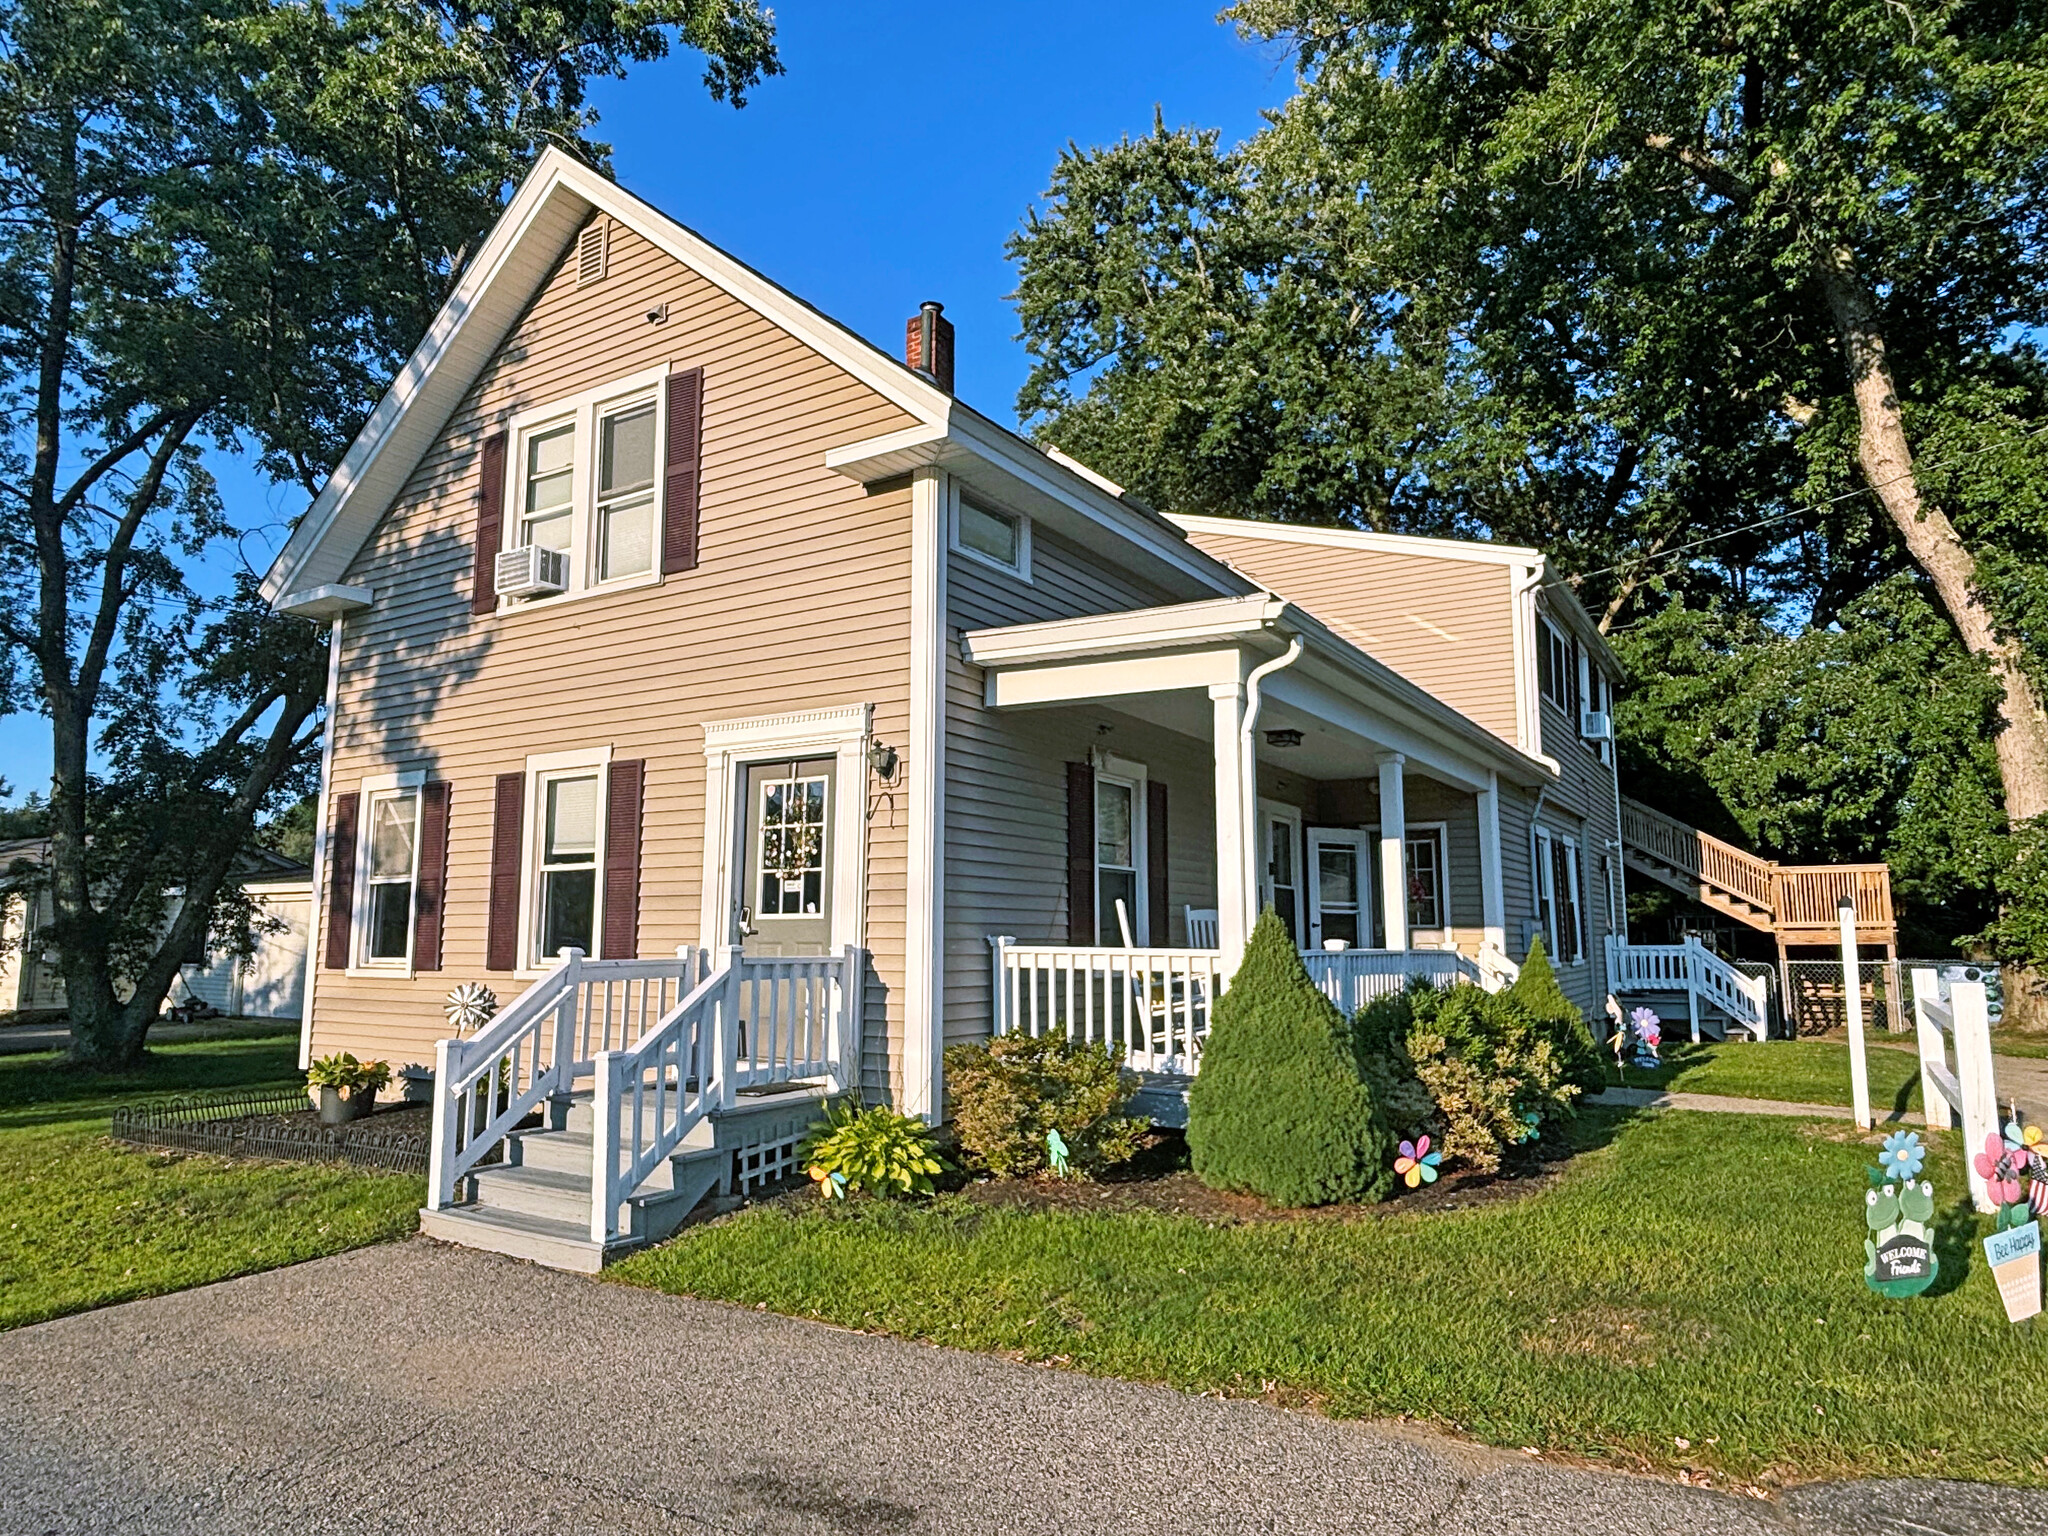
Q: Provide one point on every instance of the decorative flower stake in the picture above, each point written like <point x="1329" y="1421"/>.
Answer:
<point x="1903" y="1156"/>
<point x="1417" y="1163"/>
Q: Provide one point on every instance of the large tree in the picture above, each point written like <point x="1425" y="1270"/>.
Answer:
<point x="225" y="223"/>
<point x="1724" y="305"/>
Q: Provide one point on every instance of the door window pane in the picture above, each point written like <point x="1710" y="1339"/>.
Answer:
<point x="568" y="877"/>
<point x="792" y="854"/>
<point x="550" y="488"/>
<point x="1337" y="892"/>
<point x="1280" y="872"/>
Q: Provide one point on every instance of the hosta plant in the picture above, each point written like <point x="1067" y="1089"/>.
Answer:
<point x="870" y="1151"/>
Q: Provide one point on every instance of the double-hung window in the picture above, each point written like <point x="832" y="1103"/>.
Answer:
<point x="1560" y="661"/>
<point x="588" y="481"/>
<point x="1557" y="896"/>
<point x="1426" y="878"/>
<point x="566" y="869"/>
<point x="389" y="859"/>
<point x="1120" y="853"/>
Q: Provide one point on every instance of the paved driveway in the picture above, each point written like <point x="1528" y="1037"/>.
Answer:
<point x="418" y="1388"/>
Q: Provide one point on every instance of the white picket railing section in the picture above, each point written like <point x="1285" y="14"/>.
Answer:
<point x="1958" y="1011"/>
<point x="1152" y="1006"/>
<point x="1699" y="973"/>
<point x="667" y="1042"/>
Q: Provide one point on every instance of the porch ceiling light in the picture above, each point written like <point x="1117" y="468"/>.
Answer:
<point x="1283" y="738"/>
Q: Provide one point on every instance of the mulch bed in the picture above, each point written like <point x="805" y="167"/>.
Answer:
<point x="1158" y="1179"/>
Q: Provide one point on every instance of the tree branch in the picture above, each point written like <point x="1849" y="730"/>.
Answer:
<point x="1717" y="178"/>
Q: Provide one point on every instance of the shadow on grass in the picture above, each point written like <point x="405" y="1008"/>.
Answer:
<point x="1955" y="1245"/>
<point x="44" y="1089"/>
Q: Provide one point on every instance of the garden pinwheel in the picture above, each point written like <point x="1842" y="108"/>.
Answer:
<point x="1417" y="1163"/>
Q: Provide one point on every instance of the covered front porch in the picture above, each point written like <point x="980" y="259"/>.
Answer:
<point x="1220" y="757"/>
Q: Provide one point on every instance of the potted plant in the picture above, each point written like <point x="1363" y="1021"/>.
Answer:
<point x="344" y="1089"/>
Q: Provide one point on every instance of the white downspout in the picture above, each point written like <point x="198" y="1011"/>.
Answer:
<point x="1248" y="781"/>
<point x="315" y="932"/>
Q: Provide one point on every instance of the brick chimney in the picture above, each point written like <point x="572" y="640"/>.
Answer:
<point x="928" y="344"/>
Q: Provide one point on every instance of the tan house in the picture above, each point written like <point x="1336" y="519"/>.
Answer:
<point x="755" y="718"/>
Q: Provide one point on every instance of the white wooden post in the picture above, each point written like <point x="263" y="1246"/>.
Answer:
<point x="1493" y="901"/>
<point x="999" y="995"/>
<point x="1933" y="1050"/>
<point x="1692" y="987"/>
<point x="1852" y="997"/>
<point x="729" y="1031"/>
<point x="447" y="1125"/>
<point x="565" y="1020"/>
<point x="1972" y="1016"/>
<point x="1393" y="850"/>
<point x="1234" y="911"/>
<point x="604" y="1146"/>
<point x="846" y="1025"/>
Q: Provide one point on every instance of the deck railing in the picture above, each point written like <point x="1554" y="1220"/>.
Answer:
<point x="1697" y="854"/>
<point x="1152" y="1006"/>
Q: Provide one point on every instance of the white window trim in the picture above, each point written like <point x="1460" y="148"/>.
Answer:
<point x="541" y="767"/>
<point x="380" y="784"/>
<point x="1442" y="829"/>
<point x="584" y="410"/>
<point x="1543" y="874"/>
<point x="1552" y="633"/>
<point x="729" y="745"/>
<point x="1589" y="675"/>
<point x="1119" y="770"/>
<point x="1022" y="569"/>
<point x="1271" y="811"/>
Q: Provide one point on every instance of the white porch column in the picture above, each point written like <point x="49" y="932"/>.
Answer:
<point x="1393" y="850"/>
<point x="924" y="930"/>
<point x="1493" y="902"/>
<point x="1235" y="890"/>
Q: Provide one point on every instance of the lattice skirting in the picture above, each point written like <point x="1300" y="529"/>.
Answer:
<point x="769" y="1162"/>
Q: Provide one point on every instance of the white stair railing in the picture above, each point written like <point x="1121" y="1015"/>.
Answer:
<point x="1744" y="998"/>
<point x="749" y="1023"/>
<point x="1699" y="973"/>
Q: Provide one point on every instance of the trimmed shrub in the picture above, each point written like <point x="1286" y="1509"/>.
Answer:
<point x="1008" y="1093"/>
<point x="1468" y="1066"/>
<point x="1279" y="1108"/>
<point x="1539" y="995"/>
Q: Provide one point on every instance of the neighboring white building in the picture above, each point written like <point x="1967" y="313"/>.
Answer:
<point x="270" y="984"/>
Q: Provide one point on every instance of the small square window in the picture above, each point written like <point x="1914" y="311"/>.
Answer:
<point x="996" y="538"/>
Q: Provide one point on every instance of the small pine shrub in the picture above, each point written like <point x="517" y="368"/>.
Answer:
<point x="1539" y="995"/>
<point x="873" y="1151"/>
<point x="1279" y="1108"/>
<point x="1006" y="1094"/>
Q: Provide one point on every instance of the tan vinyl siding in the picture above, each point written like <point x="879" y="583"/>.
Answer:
<point x="1446" y="625"/>
<point x="800" y="601"/>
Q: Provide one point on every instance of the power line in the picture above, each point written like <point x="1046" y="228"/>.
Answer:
<point x="1818" y="506"/>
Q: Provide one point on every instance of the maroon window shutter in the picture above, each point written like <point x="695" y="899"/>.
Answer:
<point x="341" y="882"/>
<point x="508" y="849"/>
<point x="433" y="877"/>
<point x="679" y="488"/>
<point x="490" y="513"/>
<point x="1155" y="862"/>
<point x="1080" y="853"/>
<point x="621" y="938"/>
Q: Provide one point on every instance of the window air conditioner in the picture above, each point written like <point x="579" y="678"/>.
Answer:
<point x="532" y="570"/>
<point x="1594" y="724"/>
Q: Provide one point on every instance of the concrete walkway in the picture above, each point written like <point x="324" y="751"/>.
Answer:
<point x="419" y="1388"/>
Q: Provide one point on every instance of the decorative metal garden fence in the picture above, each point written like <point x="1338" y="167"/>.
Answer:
<point x="250" y="1124"/>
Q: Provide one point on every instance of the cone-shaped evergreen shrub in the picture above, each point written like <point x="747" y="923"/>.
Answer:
<point x="1279" y="1108"/>
<point x="1539" y="995"/>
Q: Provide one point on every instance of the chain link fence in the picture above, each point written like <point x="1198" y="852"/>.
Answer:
<point x="1811" y="1000"/>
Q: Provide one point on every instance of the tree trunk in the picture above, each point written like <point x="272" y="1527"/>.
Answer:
<point x="1886" y="460"/>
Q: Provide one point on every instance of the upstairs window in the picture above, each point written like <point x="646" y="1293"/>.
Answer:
<point x="1000" y="539"/>
<point x="550" y="497"/>
<point x="1560" y="668"/>
<point x="625" y="491"/>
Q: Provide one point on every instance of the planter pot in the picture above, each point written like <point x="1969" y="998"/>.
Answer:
<point x="337" y="1108"/>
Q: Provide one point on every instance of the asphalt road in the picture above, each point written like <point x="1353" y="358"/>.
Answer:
<point x="417" y="1388"/>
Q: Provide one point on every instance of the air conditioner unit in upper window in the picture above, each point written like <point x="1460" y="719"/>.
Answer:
<point x="1594" y="724"/>
<point x="532" y="570"/>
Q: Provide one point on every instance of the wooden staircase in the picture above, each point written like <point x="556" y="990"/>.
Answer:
<point x="1795" y="903"/>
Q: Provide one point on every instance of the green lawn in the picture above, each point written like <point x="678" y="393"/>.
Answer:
<point x="1689" y="1291"/>
<point x="1800" y="1071"/>
<point x="84" y="1222"/>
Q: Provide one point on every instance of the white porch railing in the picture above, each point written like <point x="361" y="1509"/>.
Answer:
<point x="666" y="1041"/>
<point x="1152" y="1005"/>
<point x="1699" y="973"/>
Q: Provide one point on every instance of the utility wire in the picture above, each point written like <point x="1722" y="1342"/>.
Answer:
<point x="1818" y="506"/>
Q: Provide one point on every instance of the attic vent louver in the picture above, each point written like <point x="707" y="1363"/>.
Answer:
<point x="592" y="246"/>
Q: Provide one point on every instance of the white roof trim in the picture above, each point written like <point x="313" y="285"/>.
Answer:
<point x="554" y="199"/>
<point x="1349" y="538"/>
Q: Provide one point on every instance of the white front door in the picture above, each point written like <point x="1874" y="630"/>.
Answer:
<point x="1280" y="868"/>
<point x="1339" y="887"/>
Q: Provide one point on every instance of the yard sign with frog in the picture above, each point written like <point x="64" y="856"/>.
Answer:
<point x="1899" y="1258"/>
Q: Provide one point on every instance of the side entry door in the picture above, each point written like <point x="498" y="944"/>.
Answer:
<point x="784" y="903"/>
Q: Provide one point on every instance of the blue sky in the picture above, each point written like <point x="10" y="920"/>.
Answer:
<point x="887" y="167"/>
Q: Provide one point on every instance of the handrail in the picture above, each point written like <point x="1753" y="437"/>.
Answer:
<point x="1790" y="895"/>
<point x="1695" y="970"/>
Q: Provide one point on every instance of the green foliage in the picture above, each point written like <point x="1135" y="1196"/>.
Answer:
<point x="2018" y="936"/>
<point x="1470" y="1067"/>
<point x="1279" y="1108"/>
<point x="348" y="1076"/>
<point x="1536" y="992"/>
<point x="1008" y="1093"/>
<point x="874" y="1151"/>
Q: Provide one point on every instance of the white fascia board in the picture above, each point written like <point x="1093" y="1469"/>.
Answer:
<point x="1415" y="544"/>
<point x="1104" y="677"/>
<point x="517" y="257"/>
<point x="327" y="602"/>
<point x="1137" y="629"/>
